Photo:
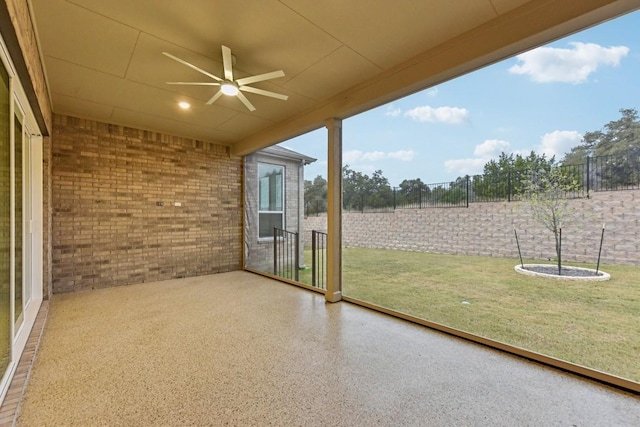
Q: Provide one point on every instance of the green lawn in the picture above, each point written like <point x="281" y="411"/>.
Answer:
<point x="595" y="324"/>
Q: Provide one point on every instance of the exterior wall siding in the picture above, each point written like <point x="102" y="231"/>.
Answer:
<point x="259" y="253"/>
<point x="107" y="226"/>
<point x="487" y="229"/>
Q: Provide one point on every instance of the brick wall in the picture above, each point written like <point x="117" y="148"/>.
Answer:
<point x="20" y="16"/>
<point x="487" y="229"/>
<point x="107" y="228"/>
<point x="19" y="35"/>
<point x="47" y="283"/>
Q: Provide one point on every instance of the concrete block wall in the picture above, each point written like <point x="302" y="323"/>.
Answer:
<point x="107" y="227"/>
<point x="487" y="229"/>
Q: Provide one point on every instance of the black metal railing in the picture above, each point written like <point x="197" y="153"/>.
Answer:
<point x="286" y="254"/>
<point x="612" y="173"/>
<point x="595" y="174"/>
<point x="318" y="259"/>
<point x="439" y="195"/>
<point x="512" y="186"/>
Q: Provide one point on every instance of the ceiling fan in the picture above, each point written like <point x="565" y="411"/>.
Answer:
<point x="229" y="86"/>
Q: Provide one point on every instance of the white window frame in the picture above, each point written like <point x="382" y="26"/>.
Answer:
<point x="282" y="190"/>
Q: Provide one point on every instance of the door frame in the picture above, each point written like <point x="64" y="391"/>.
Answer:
<point x="32" y="235"/>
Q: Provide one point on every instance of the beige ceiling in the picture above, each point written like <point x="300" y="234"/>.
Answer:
<point x="103" y="59"/>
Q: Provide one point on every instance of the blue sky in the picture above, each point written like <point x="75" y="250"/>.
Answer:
<point x="543" y="100"/>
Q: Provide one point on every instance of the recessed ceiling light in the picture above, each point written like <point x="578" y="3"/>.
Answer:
<point x="184" y="105"/>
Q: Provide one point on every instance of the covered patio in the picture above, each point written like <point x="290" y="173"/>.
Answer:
<point x="240" y="349"/>
<point x="132" y="175"/>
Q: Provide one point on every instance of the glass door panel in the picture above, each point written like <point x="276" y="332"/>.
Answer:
<point x="27" y="214"/>
<point x="5" y="222"/>
<point x="19" y="225"/>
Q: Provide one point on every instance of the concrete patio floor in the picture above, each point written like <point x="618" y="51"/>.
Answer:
<point x="240" y="349"/>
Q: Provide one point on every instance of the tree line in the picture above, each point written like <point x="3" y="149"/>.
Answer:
<point x="615" y="148"/>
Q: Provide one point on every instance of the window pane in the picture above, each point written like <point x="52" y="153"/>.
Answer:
<point x="270" y="187"/>
<point x="268" y="221"/>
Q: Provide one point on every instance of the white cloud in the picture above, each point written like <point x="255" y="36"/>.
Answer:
<point x="465" y="166"/>
<point x="351" y="156"/>
<point x="432" y="93"/>
<point x="357" y="156"/>
<point x="489" y="149"/>
<point x="450" y="115"/>
<point x="393" y="112"/>
<point x="558" y="143"/>
<point x="573" y="65"/>
<point x="404" y="155"/>
<point x="373" y="156"/>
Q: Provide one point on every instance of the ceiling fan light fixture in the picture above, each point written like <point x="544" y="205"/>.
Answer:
<point x="229" y="89"/>
<point x="228" y="85"/>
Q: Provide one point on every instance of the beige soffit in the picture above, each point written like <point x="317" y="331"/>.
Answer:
<point x="104" y="59"/>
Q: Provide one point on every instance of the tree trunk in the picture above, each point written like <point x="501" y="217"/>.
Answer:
<point x="558" y="236"/>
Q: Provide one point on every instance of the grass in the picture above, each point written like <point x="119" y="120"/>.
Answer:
<point x="595" y="324"/>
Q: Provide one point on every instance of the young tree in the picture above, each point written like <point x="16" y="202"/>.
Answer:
<point x="546" y="190"/>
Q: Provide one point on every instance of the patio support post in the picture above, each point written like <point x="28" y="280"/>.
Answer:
<point x="301" y="234"/>
<point x="334" y="211"/>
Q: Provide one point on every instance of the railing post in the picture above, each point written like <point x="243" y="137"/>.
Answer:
<point x="588" y="180"/>
<point x="467" y="190"/>
<point x="275" y="250"/>
<point x="394" y="198"/>
<point x="313" y="257"/>
<point x="286" y="262"/>
<point x="297" y="257"/>
<point x="508" y="186"/>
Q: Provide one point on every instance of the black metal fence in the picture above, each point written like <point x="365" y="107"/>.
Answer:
<point x="612" y="173"/>
<point x="604" y="173"/>
<point x="318" y="259"/>
<point x="286" y="254"/>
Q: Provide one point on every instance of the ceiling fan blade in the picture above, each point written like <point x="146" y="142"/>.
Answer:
<point x="194" y="83"/>
<point x="263" y="92"/>
<point x="260" y="78"/>
<point x="214" y="97"/>
<point x="193" y="67"/>
<point x="227" y="62"/>
<point x="245" y="101"/>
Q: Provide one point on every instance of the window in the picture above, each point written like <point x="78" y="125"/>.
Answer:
<point x="270" y="199"/>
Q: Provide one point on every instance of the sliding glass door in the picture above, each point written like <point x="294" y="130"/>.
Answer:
<point x="20" y="220"/>
<point x="5" y="222"/>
